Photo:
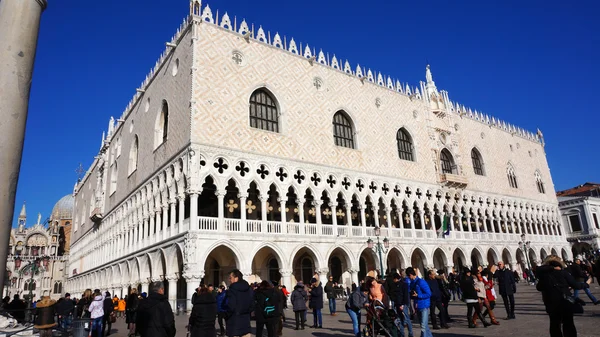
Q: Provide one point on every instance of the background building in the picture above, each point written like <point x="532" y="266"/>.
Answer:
<point x="243" y="149"/>
<point x="41" y="250"/>
<point x="580" y="211"/>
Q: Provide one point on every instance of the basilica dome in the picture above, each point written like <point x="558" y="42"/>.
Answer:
<point x="63" y="209"/>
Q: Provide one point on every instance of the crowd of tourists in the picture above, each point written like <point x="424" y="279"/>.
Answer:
<point x="390" y="304"/>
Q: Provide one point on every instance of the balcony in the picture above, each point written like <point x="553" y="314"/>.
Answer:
<point x="453" y="180"/>
<point x="96" y="216"/>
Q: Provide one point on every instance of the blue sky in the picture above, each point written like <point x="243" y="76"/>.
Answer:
<point x="534" y="65"/>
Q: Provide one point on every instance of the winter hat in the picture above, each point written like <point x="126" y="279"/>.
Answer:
<point x="300" y="284"/>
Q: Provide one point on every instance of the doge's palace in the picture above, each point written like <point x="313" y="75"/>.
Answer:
<point x="243" y="149"/>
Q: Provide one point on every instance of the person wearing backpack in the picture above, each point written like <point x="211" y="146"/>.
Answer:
<point x="267" y="308"/>
<point x="298" y="299"/>
<point x="356" y="301"/>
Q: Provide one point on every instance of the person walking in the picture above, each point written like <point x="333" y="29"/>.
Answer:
<point x="446" y="295"/>
<point x="298" y="299"/>
<point x="121" y="307"/>
<point x="467" y="286"/>
<point x="131" y="311"/>
<point x="554" y="283"/>
<point x="401" y="299"/>
<point x="507" y="287"/>
<point x="487" y="277"/>
<point x="239" y="303"/>
<point x="204" y="314"/>
<point x="316" y="303"/>
<point x="356" y="301"/>
<point x="154" y="317"/>
<point x="282" y="304"/>
<point x="267" y="308"/>
<point x="44" y="320"/>
<point x="64" y="310"/>
<point x="331" y="295"/>
<point x="581" y="275"/>
<point x="436" y="301"/>
<point x="96" y="310"/>
<point x="221" y="311"/>
<point x="108" y="311"/>
<point x="421" y="294"/>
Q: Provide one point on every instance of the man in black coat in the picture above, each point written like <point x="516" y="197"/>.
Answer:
<point x="507" y="287"/>
<point x="331" y="296"/>
<point x="435" y="301"/>
<point x="155" y="315"/>
<point x="581" y="276"/>
<point x="316" y="302"/>
<point x="108" y="307"/>
<point x="239" y="303"/>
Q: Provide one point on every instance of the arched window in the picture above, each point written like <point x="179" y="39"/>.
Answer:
<point x="343" y="132"/>
<point x="113" y="178"/>
<point x="58" y="288"/>
<point x="162" y="125"/>
<point x="477" y="162"/>
<point x="447" y="162"/>
<point x="405" y="145"/>
<point x="539" y="183"/>
<point x="264" y="113"/>
<point x="133" y="155"/>
<point x="512" y="178"/>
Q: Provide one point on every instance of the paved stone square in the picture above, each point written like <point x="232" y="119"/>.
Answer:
<point x="531" y="320"/>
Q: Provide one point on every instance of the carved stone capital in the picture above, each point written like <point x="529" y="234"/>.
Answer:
<point x="285" y="272"/>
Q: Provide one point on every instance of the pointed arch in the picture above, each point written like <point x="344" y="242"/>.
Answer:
<point x="539" y="182"/>
<point x="133" y="155"/>
<point x="264" y="110"/>
<point x="343" y="130"/>
<point x="161" y="126"/>
<point x="512" y="177"/>
<point x="405" y="144"/>
<point x="447" y="162"/>
<point x="477" y="160"/>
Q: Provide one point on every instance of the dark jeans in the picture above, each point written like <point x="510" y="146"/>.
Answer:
<point x="510" y="309"/>
<point x="270" y="328"/>
<point x="300" y="318"/>
<point x="317" y="317"/>
<point x="106" y="322"/>
<point x="221" y="318"/>
<point x="437" y="304"/>
<point x="476" y="307"/>
<point x="562" y="325"/>
<point x="97" y="327"/>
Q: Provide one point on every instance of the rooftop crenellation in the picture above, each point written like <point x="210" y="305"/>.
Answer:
<point x="251" y="33"/>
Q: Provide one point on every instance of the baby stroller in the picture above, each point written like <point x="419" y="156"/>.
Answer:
<point x="380" y="320"/>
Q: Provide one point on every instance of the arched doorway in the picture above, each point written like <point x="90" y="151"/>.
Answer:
<point x="492" y="257"/>
<point x="219" y="263"/>
<point x="459" y="259"/>
<point x="543" y="254"/>
<point x="339" y="262"/>
<point x="439" y="259"/>
<point x="532" y="258"/>
<point x="304" y="265"/>
<point x="581" y="248"/>
<point x="367" y="264"/>
<point x="266" y="265"/>
<point x="418" y="260"/>
<point x="564" y="254"/>
<point x="476" y="258"/>
<point x="395" y="260"/>
<point x="507" y="259"/>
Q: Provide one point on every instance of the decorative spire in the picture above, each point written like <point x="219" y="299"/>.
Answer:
<point x="430" y="86"/>
<point x="23" y="214"/>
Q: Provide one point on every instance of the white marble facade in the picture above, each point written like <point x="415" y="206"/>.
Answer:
<point x="185" y="189"/>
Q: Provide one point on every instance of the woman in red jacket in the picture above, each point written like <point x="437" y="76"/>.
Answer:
<point x="487" y="277"/>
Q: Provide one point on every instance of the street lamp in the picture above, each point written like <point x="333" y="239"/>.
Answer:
<point x="379" y="247"/>
<point x="525" y="246"/>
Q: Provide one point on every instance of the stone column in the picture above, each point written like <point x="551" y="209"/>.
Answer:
<point x="469" y="223"/>
<point x="181" y="205"/>
<point x="388" y="219"/>
<point x="376" y="216"/>
<point x="19" y="28"/>
<point x="301" y="216"/>
<point x="243" y="197"/>
<point x="165" y="222"/>
<point x="282" y="212"/>
<point x="144" y="286"/>
<point x="152" y="227"/>
<point x="317" y="204"/>
<point x="124" y="289"/>
<point x="349" y="217"/>
<point x="263" y="211"/>
<point x="172" y="279"/>
<point x="173" y="220"/>
<point x="363" y="220"/>
<point x="221" y="211"/>
<point x="354" y="273"/>
<point x="190" y="289"/>
<point x="193" y="212"/>
<point x="333" y="208"/>
<point x="286" y="279"/>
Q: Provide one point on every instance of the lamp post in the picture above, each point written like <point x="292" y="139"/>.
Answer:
<point x="525" y="246"/>
<point x="379" y="247"/>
